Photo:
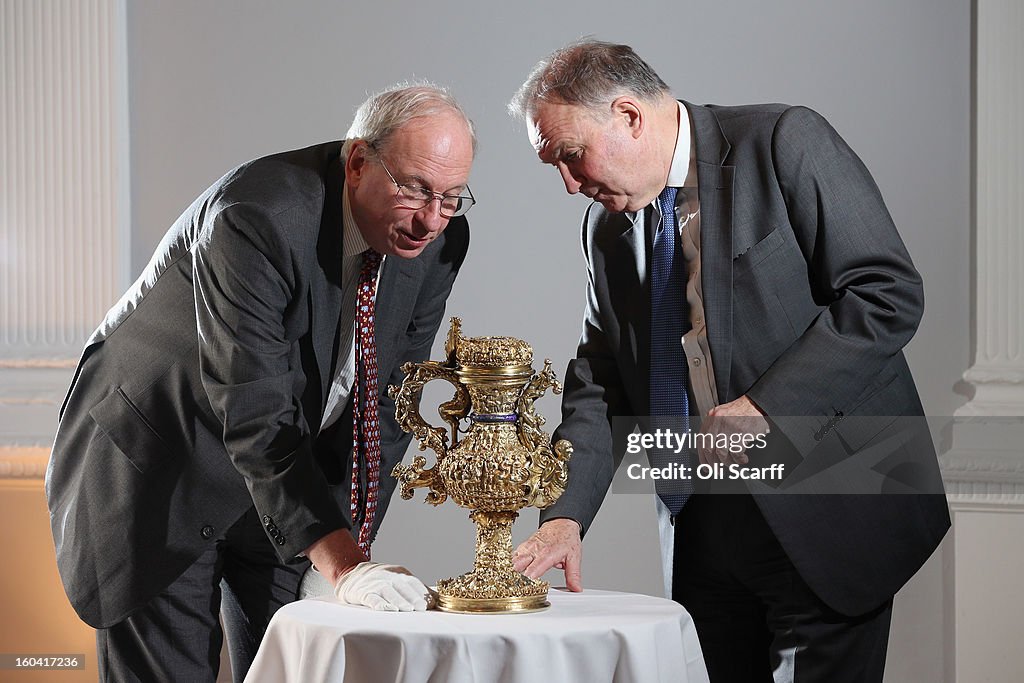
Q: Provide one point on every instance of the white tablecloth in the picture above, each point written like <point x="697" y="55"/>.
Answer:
<point x="589" y="637"/>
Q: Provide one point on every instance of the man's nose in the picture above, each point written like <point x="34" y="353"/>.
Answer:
<point x="572" y="186"/>
<point x="430" y="216"/>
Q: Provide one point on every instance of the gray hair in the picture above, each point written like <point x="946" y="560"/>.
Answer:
<point x="384" y="113"/>
<point x="590" y="73"/>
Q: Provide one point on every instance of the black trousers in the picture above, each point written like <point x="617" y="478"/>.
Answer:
<point x="177" y="636"/>
<point x="756" y="619"/>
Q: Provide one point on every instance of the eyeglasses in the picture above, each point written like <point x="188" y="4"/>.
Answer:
<point x="416" y="197"/>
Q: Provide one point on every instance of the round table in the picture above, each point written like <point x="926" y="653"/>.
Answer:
<point x="590" y="637"/>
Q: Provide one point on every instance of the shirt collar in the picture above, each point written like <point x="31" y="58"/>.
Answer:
<point x="353" y="243"/>
<point x="683" y="171"/>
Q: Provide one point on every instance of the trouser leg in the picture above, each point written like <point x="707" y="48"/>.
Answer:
<point x="255" y="585"/>
<point x="175" y="637"/>
<point x="811" y="645"/>
<point x="756" y="619"/>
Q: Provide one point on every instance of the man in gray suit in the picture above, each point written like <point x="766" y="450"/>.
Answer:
<point x="778" y="308"/>
<point x="206" y="443"/>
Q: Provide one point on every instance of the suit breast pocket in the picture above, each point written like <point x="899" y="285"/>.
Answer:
<point x="129" y="430"/>
<point x="756" y="254"/>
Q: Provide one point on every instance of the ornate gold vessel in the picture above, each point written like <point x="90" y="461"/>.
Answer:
<point x="504" y="463"/>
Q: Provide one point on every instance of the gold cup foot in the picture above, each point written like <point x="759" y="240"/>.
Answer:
<point x="534" y="603"/>
<point x="486" y="591"/>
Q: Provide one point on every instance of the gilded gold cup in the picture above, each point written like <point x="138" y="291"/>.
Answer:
<point x="505" y="461"/>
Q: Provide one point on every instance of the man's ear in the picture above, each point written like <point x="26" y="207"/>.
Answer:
<point x="355" y="163"/>
<point x="628" y="110"/>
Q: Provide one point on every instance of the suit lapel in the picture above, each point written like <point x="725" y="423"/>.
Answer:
<point x="326" y="291"/>
<point x="715" y="181"/>
<point x="396" y="295"/>
<point x="626" y="265"/>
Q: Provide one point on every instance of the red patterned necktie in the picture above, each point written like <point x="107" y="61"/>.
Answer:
<point x="366" y="418"/>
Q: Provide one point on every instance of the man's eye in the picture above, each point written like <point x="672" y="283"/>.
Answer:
<point x="417" y="192"/>
<point x="574" y="155"/>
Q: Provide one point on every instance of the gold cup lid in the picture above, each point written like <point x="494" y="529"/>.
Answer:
<point x="487" y="352"/>
<point x="493" y="352"/>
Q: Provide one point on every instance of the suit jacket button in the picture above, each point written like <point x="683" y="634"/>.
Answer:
<point x="280" y="540"/>
<point x="207" y="532"/>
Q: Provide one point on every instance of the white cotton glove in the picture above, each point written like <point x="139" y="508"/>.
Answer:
<point x="386" y="587"/>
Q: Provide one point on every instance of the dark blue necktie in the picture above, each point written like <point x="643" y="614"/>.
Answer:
<point x="670" y="319"/>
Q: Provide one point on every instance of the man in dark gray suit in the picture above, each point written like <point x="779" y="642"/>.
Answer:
<point x="206" y="442"/>
<point x="793" y="297"/>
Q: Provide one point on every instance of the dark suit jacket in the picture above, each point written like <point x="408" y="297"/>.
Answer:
<point x="809" y="296"/>
<point x="202" y="391"/>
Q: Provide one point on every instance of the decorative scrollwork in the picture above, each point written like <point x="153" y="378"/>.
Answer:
<point x="416" y="476"/>
<point x="549" y="474"/>
<point x="530" y="422"/>
<point x="549" y="470"/>
<point x="451" y="343"/>
<point x="407" y="414"/>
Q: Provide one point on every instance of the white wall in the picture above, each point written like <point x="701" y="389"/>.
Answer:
<point x="984" y="617"/>
<point x="215" y="84"/>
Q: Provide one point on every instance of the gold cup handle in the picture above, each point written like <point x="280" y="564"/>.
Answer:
<point x="407" y="414"/>
<point x="549" y="470"/>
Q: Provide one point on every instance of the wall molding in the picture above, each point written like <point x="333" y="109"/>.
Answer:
<point x="35" y="363"/>
<point x="64" y="114"/>
<point x="18" y="462"/>
<point x="63" y="172"/>
<point x="64" y="219"/>
<point x="984" y="482"/>
<point x="984" y="469"/>
<point x="31" y="394"/>
<point x="996" y="376"/>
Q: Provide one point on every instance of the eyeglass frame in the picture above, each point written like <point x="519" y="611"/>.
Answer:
<point x="433" y="195"/>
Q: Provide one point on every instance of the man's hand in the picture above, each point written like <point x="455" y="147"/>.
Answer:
<point x="555" y="544"/>
<point x="740" y="417"/>
<point x="358" y="582"/>
<point x="385" y="587"/>
<point x="335" y="554"/>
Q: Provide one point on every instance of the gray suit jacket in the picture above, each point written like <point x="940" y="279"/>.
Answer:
<point x="810" y="296"/>
<point x="202" y="391"/>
